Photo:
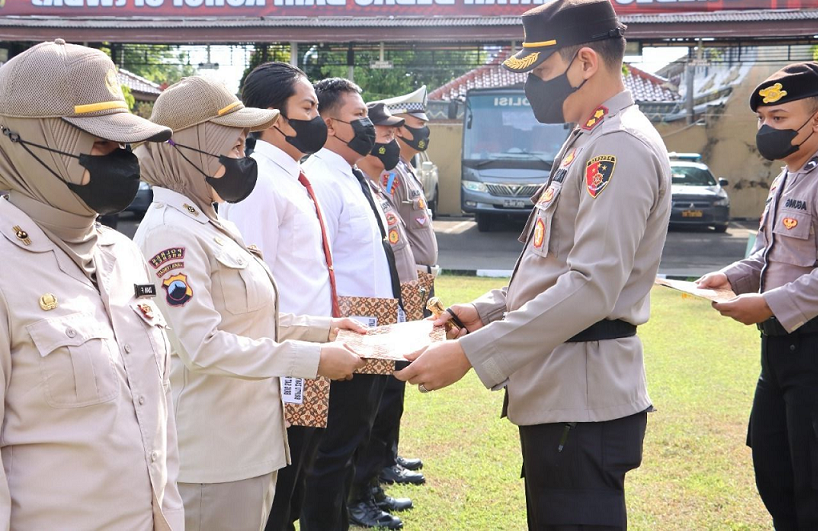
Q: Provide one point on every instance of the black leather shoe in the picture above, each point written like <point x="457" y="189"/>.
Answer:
<point x="398" y="474"/>
<point x="367" y="514"/>
<point x="410" y="464"/>
<point x="388" y="503"/>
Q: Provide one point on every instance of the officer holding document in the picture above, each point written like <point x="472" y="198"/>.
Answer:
<point x="778" y="291"/>
<point x="561" y="337"/>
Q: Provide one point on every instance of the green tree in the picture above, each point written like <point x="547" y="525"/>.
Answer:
<point x="129" y="99"/>
<point x="411" y="68"/>
<point x="162" y="64"/>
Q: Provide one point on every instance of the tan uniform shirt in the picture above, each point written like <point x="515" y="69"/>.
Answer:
<point x="88" y="437"/>
<point x="785" y="257"/>
<point x="406" y="194"/>
<point x="396" y="233"/>
<point x="593" y="244"/>
<point x="222" y="306"/>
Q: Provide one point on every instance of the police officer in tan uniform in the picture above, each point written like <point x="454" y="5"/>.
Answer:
<point x="561" y="337"/>
<point x="230" y="343"/>
<point x="88" y="434"/>
<point x="778" y="291"/>
<point x="403" y="185"/>
<point x="383" y="159"/>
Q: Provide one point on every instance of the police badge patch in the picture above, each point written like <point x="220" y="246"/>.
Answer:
<point x="598" y="173"/>
<point x="178" y="290"/>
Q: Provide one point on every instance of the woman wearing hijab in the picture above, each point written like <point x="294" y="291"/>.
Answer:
<point x="88" y="437"/>
<point x="229" y="340"/>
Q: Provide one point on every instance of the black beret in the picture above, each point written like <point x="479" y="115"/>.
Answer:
<point x="793" y="82"/>
<point x="562" y="23"/>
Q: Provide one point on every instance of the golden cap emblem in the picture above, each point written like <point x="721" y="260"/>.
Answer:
<point x="772" y="93"/>
<point x="48" y="302"/>
<point x="520" y="64"/>
<point x="112" y="84"/>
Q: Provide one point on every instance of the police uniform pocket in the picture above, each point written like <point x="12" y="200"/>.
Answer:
<point x="76" y="362"/>
<point x="795" y="239"/>
<point x="156" y="327"/>
<point x="245" y="284"/>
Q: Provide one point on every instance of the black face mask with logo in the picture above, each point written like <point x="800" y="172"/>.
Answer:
<point x="310" y="135"/>
<point x="364" y="135"/>
<point x="420" y="137"/>
<point x="113" y="182"/>
<point x="388" y="154"/>
<point x="239" y="177"/>
<point x="546" y="97"/>
<point x="776" y="144"/>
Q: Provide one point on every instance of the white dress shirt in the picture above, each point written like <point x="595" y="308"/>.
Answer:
<point x="361" y="269"/>
<point x="279" y="218"/>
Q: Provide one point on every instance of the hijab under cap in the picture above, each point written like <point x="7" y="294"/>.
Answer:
<point x="62" y="96"/>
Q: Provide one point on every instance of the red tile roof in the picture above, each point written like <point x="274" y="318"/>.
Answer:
<point x="645" y="87"/>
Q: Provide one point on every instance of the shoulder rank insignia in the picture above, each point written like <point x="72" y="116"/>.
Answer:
<point x="520" y="64"/>
<point x="598" y="173"/>
<point x="595" y="118"/>
<point x="178" y="290"/>
<point x="773" y="93"/>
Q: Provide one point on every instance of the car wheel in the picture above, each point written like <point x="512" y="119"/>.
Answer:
<point x="720" y="228"/>
<point x="483" y="222"/>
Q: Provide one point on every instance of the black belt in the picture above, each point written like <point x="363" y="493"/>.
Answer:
<point x="605" y="329"/>
<point x="772" y="327"/>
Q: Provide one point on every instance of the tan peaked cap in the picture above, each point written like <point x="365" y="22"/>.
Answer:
<point x="77" y="84"/>
<point x="195" y="100"/>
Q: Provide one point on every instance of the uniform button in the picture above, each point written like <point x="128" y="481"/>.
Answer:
<point x="127" y="349"/>
<point x="154" y="456"/>
<point x="141" y="400"/>
<point x="70" y="332"/>
<point x="792" y="348"/>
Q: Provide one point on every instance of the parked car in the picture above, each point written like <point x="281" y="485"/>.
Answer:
<point x="143" y="199"/>
<point x="426" y="171"/>
<point x="699" y="199"/>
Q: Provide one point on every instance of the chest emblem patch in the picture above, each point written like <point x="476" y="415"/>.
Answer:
<point x="790" y="223"/>
<point x="394" y="237"/>
<point x="391" y="219"/>
<point x="539" y="233"/>
<point x="598" y="173"/>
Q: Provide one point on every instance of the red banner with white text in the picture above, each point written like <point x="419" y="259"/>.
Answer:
<point x="358" y="8"/>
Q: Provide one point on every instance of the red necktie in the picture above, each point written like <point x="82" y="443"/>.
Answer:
<point x="336" y="311"/>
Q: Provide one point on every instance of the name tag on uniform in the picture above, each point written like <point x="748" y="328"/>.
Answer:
<point x="144" y="290"/>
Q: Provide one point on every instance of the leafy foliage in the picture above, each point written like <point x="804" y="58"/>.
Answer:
<point x="162" y="64"/>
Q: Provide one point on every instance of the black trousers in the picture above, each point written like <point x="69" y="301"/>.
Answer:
<point x="382" y="449"/>
<point x="783" y="431"/>
<point x="353" y="405"/>
<point x="583" y="486"/>
<point x="291" y="481"/>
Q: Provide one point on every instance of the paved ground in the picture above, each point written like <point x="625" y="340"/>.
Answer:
<point x="686" y="253"/>
<point x="462" y="247"/>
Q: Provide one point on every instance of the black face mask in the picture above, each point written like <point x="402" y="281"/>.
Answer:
<point x="776" y="144"/>
<point x="420" y="137"/>
<point x="364" y="136"/>
<point x="239" y="177"/>
<point x="114" y="178"/>
<point x="388" y="154"/>
<point x="310" y="135"/>
<point x="546" y="97"/>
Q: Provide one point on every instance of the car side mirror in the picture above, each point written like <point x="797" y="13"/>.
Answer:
<point x="723" y="182"/>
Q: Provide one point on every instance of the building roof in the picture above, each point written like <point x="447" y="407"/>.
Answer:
<point x="141" y="88"/>
<point x="760" y="23"/>
<point x="644" y="87"/>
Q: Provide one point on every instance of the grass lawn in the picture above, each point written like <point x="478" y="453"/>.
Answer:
<point x="696" y="473"/>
